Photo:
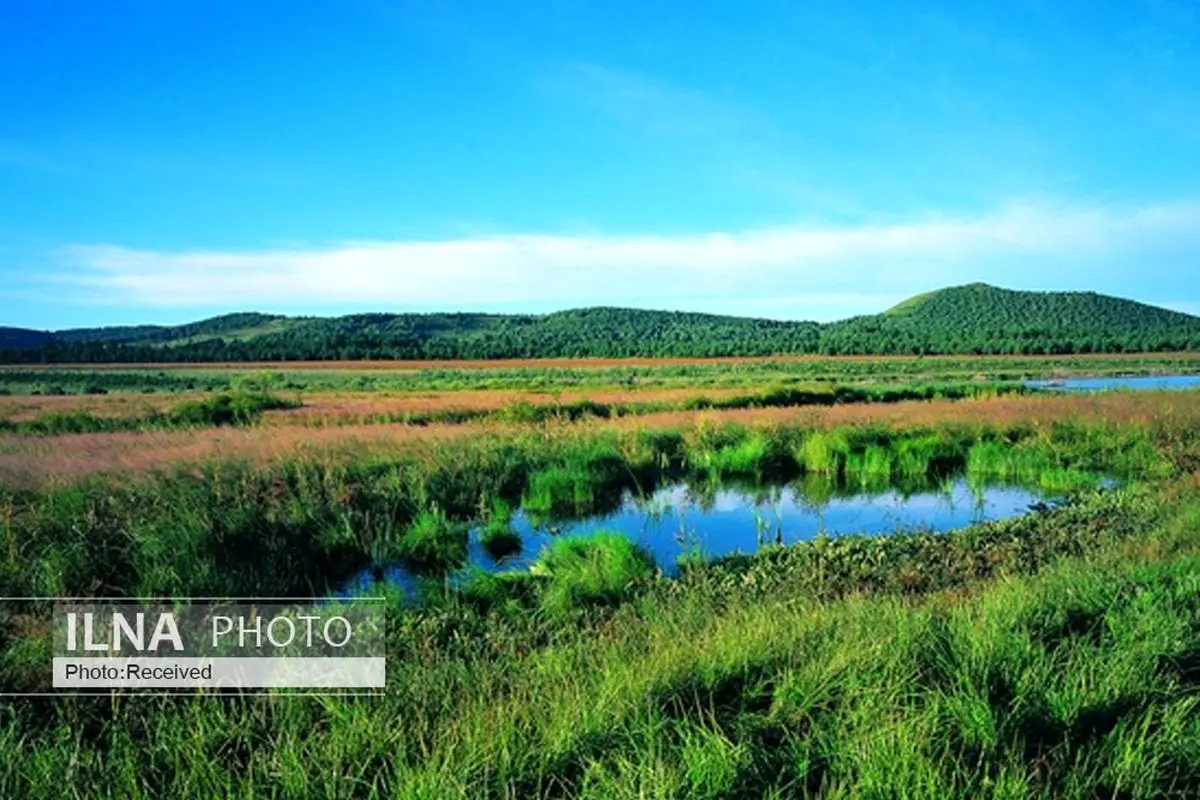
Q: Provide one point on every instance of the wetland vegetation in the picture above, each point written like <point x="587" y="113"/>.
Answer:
<point x="1051" y="653"/>
<point x="538" y="376"/>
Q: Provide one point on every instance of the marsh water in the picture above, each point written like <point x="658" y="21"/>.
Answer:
<point x="714" y="522"/>
<point x="1139" y="383"/>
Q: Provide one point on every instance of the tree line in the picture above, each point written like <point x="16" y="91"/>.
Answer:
<point x="967" y="320"/>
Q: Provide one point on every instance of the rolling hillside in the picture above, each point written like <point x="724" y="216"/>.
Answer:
<point x="23" y="338"/>
<point x="976" y="318"/>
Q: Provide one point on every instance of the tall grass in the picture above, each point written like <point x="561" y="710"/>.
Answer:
<point x="1076" y="681"/>
<point x="432" y="543"/>
<point x="589" y="476"/>
<point x="233" y="408"/>
<point x="305" y="525"/>
<point x="228" y="408"/>
<point x="599" y="569"/>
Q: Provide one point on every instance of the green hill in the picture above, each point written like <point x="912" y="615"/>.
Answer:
<point x="23" y="338"/>
<point x="979" y="304"/>
<point x="976" y="318"/>
<point x="228" y="325"/>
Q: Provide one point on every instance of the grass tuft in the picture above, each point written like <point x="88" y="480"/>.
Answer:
<point x="598" y="569"/>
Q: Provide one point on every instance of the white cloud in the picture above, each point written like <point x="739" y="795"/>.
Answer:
<point x="1022" y="246"/>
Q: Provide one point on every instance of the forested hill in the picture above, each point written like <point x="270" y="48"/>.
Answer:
<point x="984" y="319"/>
<point x="966" y="319"/>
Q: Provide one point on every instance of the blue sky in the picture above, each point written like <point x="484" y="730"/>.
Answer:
<point x="161" y="162"/>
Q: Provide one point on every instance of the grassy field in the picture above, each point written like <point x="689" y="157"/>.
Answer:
<point x="593" y="363"/>
<point x="57" y="414"/>
<point x="29" y="461"/>
<point x="1054" y="654"/>
<point x="572" y="374"/>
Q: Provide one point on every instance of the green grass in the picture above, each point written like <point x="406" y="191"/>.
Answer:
<point x="497" y="535"/>
<point x="1051" y="655"/>
<point x="924" y="377"/>
<point x="432" y="543"/>
<point x="587" y="477"/>
<point x="1029" y="464"/>
<point x="603" y="568"/>
<point x="1076" y="679"/>
<point x="504" y="593"/>
<point x="824" y="452"/>
<point x="304" y="526"/>
<point x="235" y="408"/>
<point x="738" y="454"/>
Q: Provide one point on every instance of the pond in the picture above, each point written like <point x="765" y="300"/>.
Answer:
<point x="678" y="519"/>
<point x="1140" y="383"/>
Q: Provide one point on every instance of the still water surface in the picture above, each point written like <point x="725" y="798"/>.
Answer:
<point x="1142" y="383"/>
<point x="678" y="519"/>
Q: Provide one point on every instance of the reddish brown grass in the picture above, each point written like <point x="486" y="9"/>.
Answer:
<point x="32" y="461"/>
<point x="359" y="407"/>
<point x="345" y="408"/>
<point x="27" y="407"/>
<point x="1127" y="408"/>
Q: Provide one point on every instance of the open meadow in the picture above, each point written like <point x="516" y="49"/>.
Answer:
<point x="574" y="606"/>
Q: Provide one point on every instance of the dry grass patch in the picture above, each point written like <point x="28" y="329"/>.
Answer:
<point x="22" y="408"/>
<point x="31" y="461"/>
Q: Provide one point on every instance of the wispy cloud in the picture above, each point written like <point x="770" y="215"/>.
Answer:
<point x="1021" y="245"/>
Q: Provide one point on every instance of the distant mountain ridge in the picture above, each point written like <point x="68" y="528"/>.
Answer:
<point x="976" y="318"/>
<point x="228" y="324"/>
